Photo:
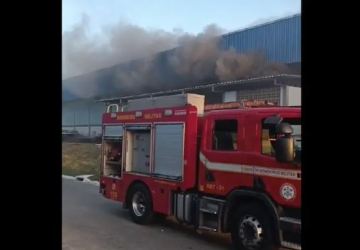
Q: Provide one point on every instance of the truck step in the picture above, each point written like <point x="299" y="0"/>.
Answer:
<point x="208" y="228"/>
<point x="290" y="245"/>
<point x="290" y="220"/>
<point x="208" y="211"/>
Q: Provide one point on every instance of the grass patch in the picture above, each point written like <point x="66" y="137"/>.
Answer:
<point x="80" y="159"/>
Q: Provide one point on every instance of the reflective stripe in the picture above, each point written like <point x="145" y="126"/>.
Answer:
<point x="248" y="169"/>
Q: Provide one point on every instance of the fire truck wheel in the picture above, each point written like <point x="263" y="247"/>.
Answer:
<point x="141" y="210"/>
<point x="252" y="229"/>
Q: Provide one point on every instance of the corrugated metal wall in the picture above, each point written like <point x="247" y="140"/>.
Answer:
<point x="271" y="94"/>
<point x="83" y="116"/>
<point x="279" y="40"/>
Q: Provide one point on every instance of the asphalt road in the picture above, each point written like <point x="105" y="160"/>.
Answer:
<point x="93" y="222"/>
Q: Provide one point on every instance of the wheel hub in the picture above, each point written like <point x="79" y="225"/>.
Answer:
<point x="138" y="204"/>
<point x="251" y="232"/>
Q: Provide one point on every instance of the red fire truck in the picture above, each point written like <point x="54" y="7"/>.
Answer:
<point x="234" y="170"/>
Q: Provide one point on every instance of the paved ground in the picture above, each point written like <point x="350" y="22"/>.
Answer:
<point x="92" y="222"/>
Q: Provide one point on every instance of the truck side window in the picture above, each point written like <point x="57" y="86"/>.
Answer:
<point x="267" y="142"/>
<point x="268" y="136"/>
<point x="268" y="139"/>
<point x="225" y="135"/>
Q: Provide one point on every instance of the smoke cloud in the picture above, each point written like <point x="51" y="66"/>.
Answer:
<point x="197" y="58"/>
<point x="83" y="53"/>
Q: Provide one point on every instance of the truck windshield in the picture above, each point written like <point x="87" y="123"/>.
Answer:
<point x="297" y="135"/>
<point x="269" y="138"/>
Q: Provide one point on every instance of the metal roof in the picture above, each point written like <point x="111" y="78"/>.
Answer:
<point x="279" y="40"/>
<point x="282" y="79"/>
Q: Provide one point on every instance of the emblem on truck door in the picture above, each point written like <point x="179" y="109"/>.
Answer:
<point x="287" y="191"/>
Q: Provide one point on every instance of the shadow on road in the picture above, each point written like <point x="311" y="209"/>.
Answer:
<point x="166" y="223"/>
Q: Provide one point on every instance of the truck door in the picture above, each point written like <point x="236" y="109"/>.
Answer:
<point x="137" y="150"/>
<point x="111" y="160"/>
<point x="221" y="155"/>
<point x="141" y="152"/>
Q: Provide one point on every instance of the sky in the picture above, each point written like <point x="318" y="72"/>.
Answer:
<point x="102" y="33"/>
<point x="188" y="15"/>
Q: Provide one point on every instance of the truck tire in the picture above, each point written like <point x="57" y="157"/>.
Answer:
<point x="252" y="229"/>
<point x="140" y="205"/>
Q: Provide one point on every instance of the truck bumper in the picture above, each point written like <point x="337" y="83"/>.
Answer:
<point x="290" y="232"/>
<point x="102" y="188"/>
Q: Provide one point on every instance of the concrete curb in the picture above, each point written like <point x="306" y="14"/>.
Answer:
<point x="68" y="177"/>
<point x="82" y="178"/>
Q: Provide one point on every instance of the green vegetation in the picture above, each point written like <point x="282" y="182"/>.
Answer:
<point x="81" y="159"/>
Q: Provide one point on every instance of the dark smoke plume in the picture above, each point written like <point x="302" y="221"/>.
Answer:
<point x="83" y="53"/>
<point x="196" y="59"/>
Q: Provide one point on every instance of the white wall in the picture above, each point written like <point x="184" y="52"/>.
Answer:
<point x="229" y="96"/>
<point x="294" y="96"/>
<point x="290" y="96"/>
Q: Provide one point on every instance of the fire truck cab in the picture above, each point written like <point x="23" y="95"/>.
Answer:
<point x="232" y="171"/>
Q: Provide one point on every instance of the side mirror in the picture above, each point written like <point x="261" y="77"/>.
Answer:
<point x="284" y="149"/>
<point x="284" y="128"/>
<point x="273" y="120"/>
